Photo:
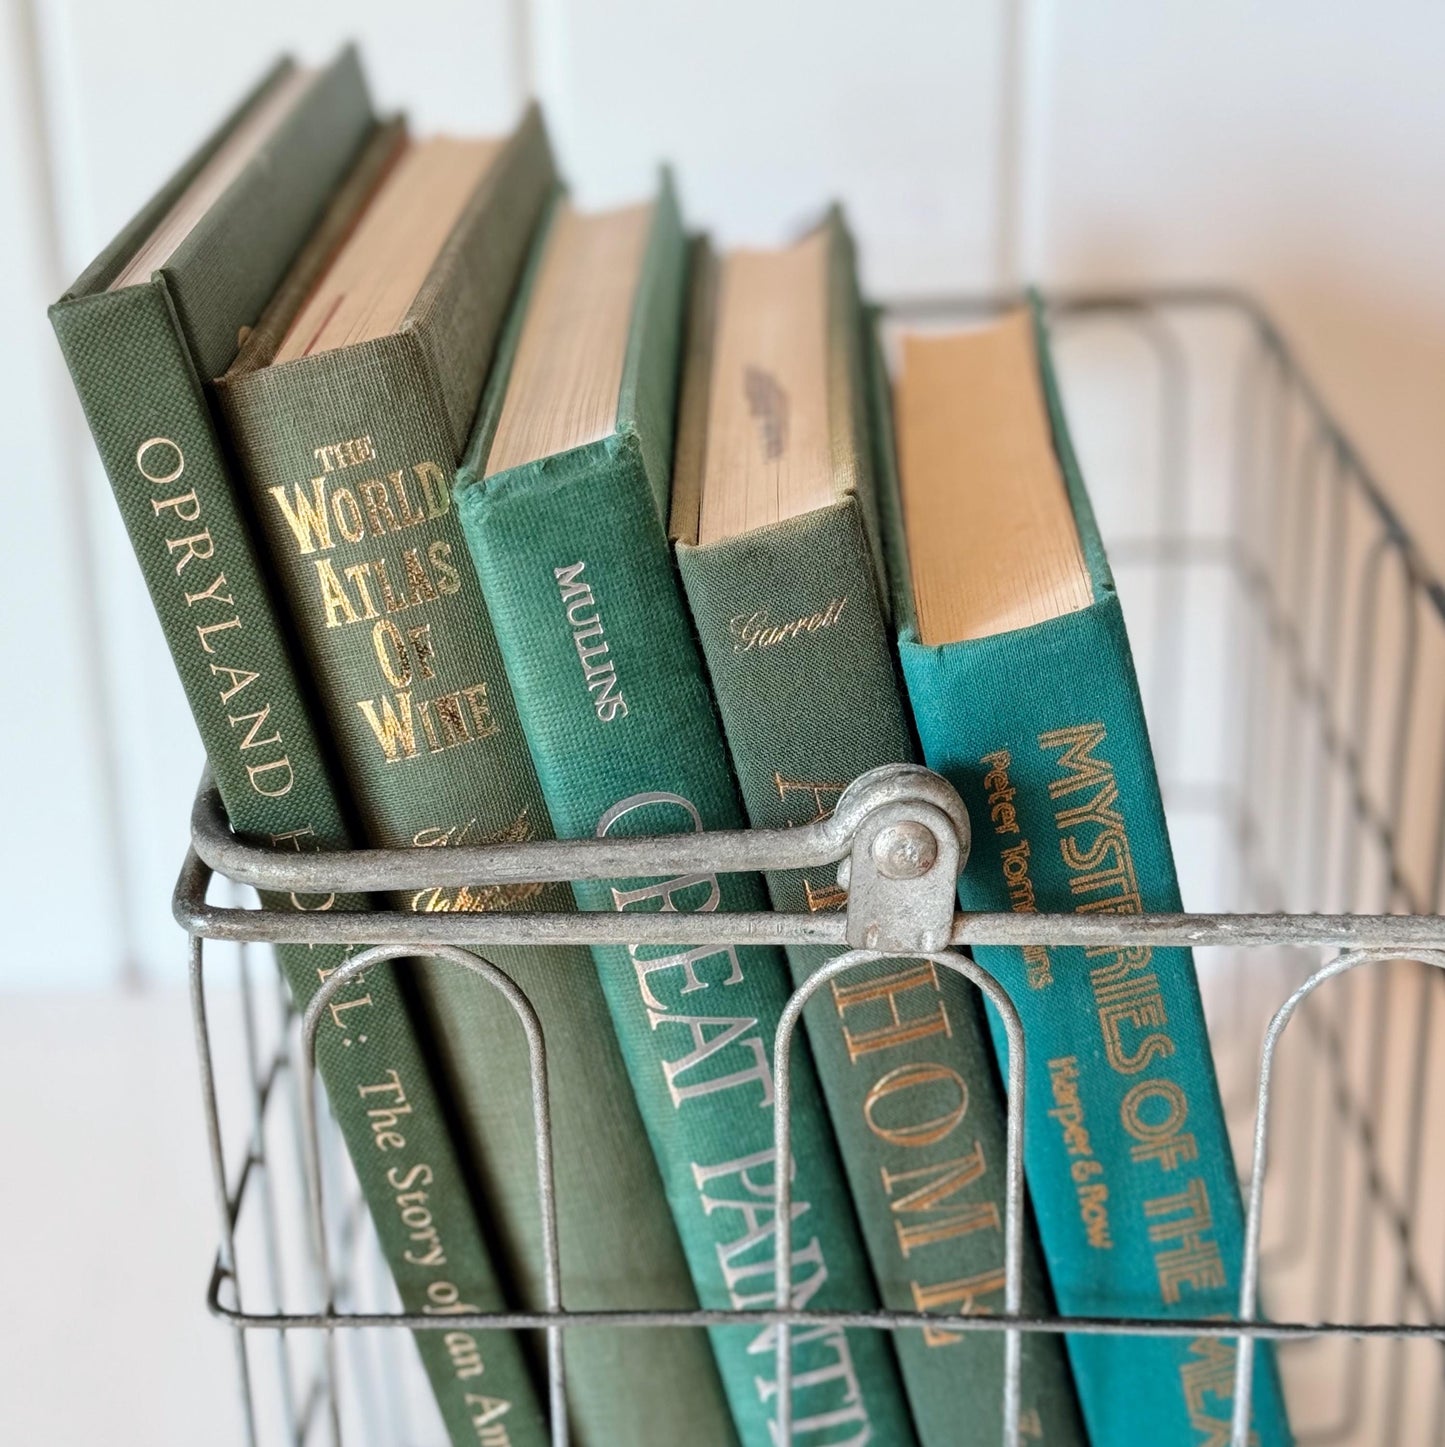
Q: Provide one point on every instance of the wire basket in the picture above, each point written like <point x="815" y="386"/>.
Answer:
<point x="1291" y="645"/>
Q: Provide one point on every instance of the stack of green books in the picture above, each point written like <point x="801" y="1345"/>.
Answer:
<point x="472" y="518"/>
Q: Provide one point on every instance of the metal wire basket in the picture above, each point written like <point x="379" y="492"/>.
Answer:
<point x="1291" y="643"/>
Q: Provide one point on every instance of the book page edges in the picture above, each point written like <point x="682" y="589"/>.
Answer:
<point x="336" y="224"/>
<point x="987" y="513"/>
<point x="568" y="373"/>
<point x="691" y="444"/>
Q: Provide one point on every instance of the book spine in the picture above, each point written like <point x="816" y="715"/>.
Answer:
<point x="1042" y="733"/>
<point x="155" y="436"/>
<point x="614" y="702"/>
<point x="801" y="666"/>
<point x="348" y="458"/>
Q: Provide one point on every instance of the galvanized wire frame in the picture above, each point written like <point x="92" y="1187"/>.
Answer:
<point x="1309" y="641"/>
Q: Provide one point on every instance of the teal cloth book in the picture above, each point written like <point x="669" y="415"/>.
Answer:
<point x="1019" y="673"/>
<point x="790" y="607"/>
<point x="562" y="495"/>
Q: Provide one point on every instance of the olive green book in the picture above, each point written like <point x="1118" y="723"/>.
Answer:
<point x="572" y="550"/>
<point x="793" y="624"/>
<point x="137" y="352"/>
<point x="346" y="457"/>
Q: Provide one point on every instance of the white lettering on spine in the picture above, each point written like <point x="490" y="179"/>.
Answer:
<point x="599" y="670"/>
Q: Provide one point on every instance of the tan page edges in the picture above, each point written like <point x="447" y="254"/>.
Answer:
<point x="247" y="137"/>
<point x="565" y="381"/>
<point x="769" y="452"/>
<point x="992" y="542"/>
<point x="375" y="276"/>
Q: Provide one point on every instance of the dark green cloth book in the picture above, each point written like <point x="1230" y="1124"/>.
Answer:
<point x="346" y="453"/>
<point x="1018" y="669"/>
<point x="902" y="1045"/>
<point x="137" y="352"/>
<point x="563" y="494"/>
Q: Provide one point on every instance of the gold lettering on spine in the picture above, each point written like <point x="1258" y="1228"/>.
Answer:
<point x="305" y="516"/>
<point x="411" y="515"/>
<point x="1015" y="859"/>
<point x="204" y="631"/>
<point x="347" y="513"/>
<point x="1186" y="1255"/>
<point x="153" y="469"/>
<point x="910" y="1078"/>
<point x="388" y="1112"/>
<point x="900" y="1029"/>
<point x="755" y="631"/>
<point x="240" y="678"/>
<point x="219" y="628"/>
<point x="357" y="575"/>
<point x="435" y="493"/>
<point x="161" y="462"/>
<point x="390" y="646"/>
<point x="880" y="1012"/>
<point x="355" y="592"/>
<point x="448" y="579"/>
<point x="392" y="725"/>
<point x="1207" y="1377"/>
<point x="256" y="720"/>
<point x="928" y="1200"/>
<point x="212" y="594"/>
<point x="335" y="604"/>
<point x="822" y="796"/>
<point x="376" y="504"/>
<point x="824" y="897"/>
<point x="1133" y="1018"/>
<point x="198" y="547"/>
<point x="1163" y="1139"/>
<point x="966" y="1296"/>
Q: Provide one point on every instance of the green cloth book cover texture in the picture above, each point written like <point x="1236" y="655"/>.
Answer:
<point x="1042" y="732"/>
<point x="902" y="1046"/>
<point x="347" y="458"/>
<point x="134" y="356"/>
<point x="573" y="555"/>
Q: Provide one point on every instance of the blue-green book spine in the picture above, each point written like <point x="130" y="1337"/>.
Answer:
<point x="1042" y="732"/>
<point x="573" y="555"/>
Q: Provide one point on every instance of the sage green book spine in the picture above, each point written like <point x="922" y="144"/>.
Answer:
<point x="133" y="366"/>
<point x="573" y="556"/>
<point x="348" y="458"/>
<point x="902" y="1046"/>
<point x="1042" y="732"/>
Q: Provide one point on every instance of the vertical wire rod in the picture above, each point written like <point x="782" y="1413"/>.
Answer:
<point x="1013" y="1225"/>
<point x="259" y="1099"/>
<point x="541" y="1123"/>
<point x="211" y="1109"/>
<point x="1249" y="1277"/>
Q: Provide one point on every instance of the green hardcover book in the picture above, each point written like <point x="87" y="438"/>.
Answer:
<point x="138" y="330"/>
<point x="791" y="613"/>
<point x="1018" y="669"/>
<point x="347" y="409"/>
<point x="562" y="496"/>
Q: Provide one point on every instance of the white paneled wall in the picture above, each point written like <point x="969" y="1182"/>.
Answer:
<point x="1295" y="147"/>
<point x="767" y="110"/>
